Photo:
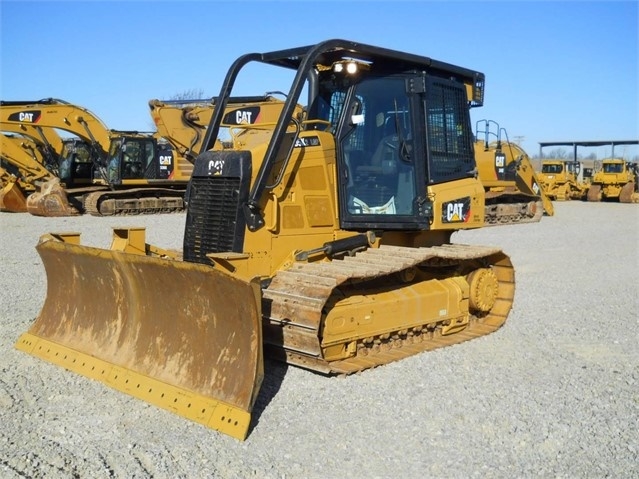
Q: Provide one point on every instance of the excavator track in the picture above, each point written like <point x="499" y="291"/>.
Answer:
<point x="517" y="209"/>
<point x="297" y="302"/>
<point x="134" y="201"/>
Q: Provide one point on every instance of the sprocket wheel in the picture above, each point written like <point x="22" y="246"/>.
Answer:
<point x="484" y="286"/>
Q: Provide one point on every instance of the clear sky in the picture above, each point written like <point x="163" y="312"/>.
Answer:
<point x="554" y="70"/>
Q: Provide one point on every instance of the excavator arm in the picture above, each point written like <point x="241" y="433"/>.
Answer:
<point x="22" y="154"/>
<point x="20" y="170"/>
<point x="54" y="113"/>
<point x="50" y="143"/>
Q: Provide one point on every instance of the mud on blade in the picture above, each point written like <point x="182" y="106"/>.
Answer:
<point x="179" y="335"/>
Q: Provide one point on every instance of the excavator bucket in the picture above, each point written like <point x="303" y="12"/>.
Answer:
<point x="12" y="198"/>
<point x="51" y="200"/>
<point x="182" y="336"/>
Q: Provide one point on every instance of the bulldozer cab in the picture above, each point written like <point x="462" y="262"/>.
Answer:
<point x="375" y="141"/>
<point x="384" y="167"/>
<point x="400" y="124"/>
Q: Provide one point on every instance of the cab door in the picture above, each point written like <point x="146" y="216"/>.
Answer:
<point x="379" y="183"/>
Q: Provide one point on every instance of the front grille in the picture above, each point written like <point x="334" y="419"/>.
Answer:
<point x="212" y="217"/>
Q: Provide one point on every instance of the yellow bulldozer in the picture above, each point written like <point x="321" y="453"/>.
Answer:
<point x="322" y="239"/>
<point x="513" y="191"/>
<point x="616" y="180"/>
<point x="560" y="180"/>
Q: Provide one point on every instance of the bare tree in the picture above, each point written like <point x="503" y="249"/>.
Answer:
<point x="185" y="96"/>
<point x="557" y="154"/>
<point x="192" y="94"/>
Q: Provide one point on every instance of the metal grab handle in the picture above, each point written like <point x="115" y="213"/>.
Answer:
<point x="280" y="175"/>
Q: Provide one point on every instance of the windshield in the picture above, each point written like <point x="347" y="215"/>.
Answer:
<point x="552" y="168"/>
<point x="613" y="168"/>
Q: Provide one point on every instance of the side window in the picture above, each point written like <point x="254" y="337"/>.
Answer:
<point x="449" y="133"/>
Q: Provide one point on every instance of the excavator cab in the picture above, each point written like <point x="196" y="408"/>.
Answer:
<point x="138" y="158"/>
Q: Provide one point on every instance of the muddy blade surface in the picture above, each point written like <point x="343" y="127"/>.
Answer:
<point x="182" y="336"/>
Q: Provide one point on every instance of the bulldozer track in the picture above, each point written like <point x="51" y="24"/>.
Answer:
<point x="294" y="306"/>
<point x="134" y="201"/>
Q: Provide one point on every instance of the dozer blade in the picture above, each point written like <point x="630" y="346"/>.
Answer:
<point x="51" y="200"/>
<point x="182" y="336"/>
<point x="12" y="199"/>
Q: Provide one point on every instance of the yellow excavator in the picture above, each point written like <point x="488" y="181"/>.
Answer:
<point x="616" y="180"/>
<point x="132" y="172"/>
<point x="322" y="239"/>
<point x="513" y="189"/>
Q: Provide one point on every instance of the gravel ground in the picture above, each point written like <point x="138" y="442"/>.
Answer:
<point x="553" y="393"/>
